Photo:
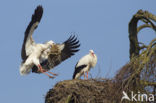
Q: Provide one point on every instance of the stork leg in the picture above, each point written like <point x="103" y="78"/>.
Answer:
<point x="49" y="72"/>
<point x="53" y="73"/>
<point x="48" y="75"/>
<point x="43" y="71"/>
<point x="87" y="75"/>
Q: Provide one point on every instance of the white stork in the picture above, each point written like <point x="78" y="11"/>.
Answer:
<point x="85" y="64"/>
<point x="47" y="55"/>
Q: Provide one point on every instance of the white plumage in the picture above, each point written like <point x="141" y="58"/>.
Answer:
<point x="85" y="64"/>
<point x="32" y="52"/>
<point x="35" y="56"/>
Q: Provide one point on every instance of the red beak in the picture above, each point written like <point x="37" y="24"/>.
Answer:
<point x="93" y="54"/>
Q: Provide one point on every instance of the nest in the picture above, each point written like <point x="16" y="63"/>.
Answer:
<point x="81" y="91"/>
<point x="137" y="75"/>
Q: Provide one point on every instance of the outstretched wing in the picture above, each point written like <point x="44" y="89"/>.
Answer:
<point x="65" y="51"/>
<point x="59" y="53"/>
<point x="28" y="40"/>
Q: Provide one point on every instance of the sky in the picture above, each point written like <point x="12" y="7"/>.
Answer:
<point x="101" y="25"/>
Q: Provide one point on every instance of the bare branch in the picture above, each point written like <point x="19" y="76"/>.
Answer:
<point x="147" y="15"/>
<point x="133" y="30"/>
<point x="143" y="46"/>
<point x="143" y="26"/>
<point x="147" y="83"/>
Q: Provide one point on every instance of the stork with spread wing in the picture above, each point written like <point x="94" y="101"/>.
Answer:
<point x="42" y="57"/>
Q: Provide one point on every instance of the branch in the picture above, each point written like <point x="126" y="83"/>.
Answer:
<point x="150" y="16"/>
<point x="143" y="46"/>
<point x="68" y="99"/>
<point x="147" y="83"/>
<point x="152" y="25"/>
<point x="147" y="15"/>
<point x="133" y="30"/>
<point x="143" y="26"/>
<point x="134" y="46"/>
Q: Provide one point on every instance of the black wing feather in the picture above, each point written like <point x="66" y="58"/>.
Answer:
<point x="36" y="17"/>
<point x="68" y="51"/>
<point x="71" y="46"/>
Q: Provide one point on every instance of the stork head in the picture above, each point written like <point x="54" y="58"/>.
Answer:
<point x="49" y="43"/>
<point x="92" y="53"/>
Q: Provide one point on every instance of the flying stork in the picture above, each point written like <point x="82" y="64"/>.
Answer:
<point x="40" y="58"/>
<point x="85" y="64"/>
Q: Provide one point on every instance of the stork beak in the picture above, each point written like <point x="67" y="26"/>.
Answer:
<point x="93" y="54"/>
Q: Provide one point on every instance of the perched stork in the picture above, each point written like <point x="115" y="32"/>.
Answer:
<point x="48" y="55"/>
<point x="85" y="64"/>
